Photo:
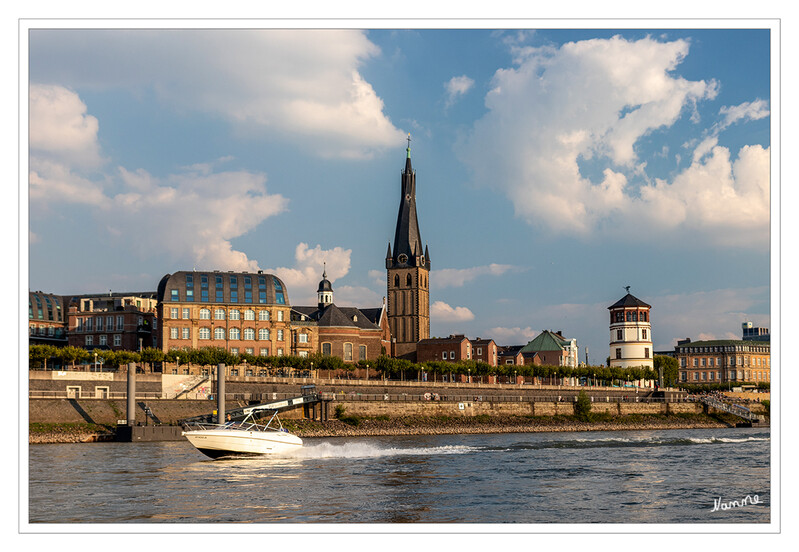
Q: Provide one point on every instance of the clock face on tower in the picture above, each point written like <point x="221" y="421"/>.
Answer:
<point x="403" y="258"/>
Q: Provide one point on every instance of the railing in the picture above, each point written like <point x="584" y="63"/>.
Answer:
<point x="731" y="408"/>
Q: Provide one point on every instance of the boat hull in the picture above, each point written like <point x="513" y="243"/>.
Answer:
<point x="218" y="443"/>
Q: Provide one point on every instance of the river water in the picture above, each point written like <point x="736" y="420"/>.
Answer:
<point x="631" y="477"/>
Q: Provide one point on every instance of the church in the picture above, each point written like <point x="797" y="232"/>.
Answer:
<point x="408" y="273"/>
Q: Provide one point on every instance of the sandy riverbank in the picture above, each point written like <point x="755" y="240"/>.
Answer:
<point x="428" y="426"/>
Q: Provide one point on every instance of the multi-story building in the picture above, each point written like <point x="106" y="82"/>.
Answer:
<point x="455" y="348"/>
<point x="116" y="321"/>
<point x="724" y="361"/>
<point x="47" y="319"/>
<point x="510" y="354"/>
<point x="241" y="312"/>
<point x="630" y="333"/>
<point x="408" y="273"/>
<point x="485" y="350"/>
<point x="753" y="333"/>
<point x="349" y="333"/>
<point x="552" y="349"/>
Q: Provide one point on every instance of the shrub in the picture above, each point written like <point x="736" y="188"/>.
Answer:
<point x="582" y="408"/>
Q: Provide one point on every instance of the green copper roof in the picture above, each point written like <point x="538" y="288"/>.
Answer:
<point x="545" y="341"/>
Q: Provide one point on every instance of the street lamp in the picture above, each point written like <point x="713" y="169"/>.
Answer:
<point x="95" y="362"/>
<point x="178" y="368"/>
<point x="367" y="372"/>
<point x="470" y="375"/>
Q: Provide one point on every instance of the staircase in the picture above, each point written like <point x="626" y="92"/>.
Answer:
<point x="734" y="409"/>
<point x="189" y="386"/>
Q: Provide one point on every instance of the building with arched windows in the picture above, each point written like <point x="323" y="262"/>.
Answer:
<point x="630" y="333"/>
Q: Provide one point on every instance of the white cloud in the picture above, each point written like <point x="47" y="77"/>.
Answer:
<point x="511" y="336"/>
<point x="457" y="87"/>
<point x="357" y="296"/>
<point x="378" y="277"/>
<point x="755" y="110"/>
<point x="593" y="101"/>
<point x="191" y="216"/>
<point x="304" y="84"/>
<point x="303" y="278"/>
<point x="457" y="277"/>
<point x="442" y="312"/>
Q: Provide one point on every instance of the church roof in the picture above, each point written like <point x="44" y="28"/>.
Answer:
<point x="629" y="301"/>
<point x="407" y="238"/>
<point x="334" y="316"/>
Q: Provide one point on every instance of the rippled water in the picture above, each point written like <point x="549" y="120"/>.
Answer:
<point x="592" y="477"/>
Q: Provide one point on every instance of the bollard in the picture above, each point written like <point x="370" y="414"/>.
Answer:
<point x="131" y="417"/>
<point x="220" y="394"/>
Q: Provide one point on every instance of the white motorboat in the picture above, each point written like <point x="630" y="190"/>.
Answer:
<point x="242" y="438"/>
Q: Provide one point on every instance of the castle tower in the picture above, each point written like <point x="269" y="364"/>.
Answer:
<point x="630" y="333"/>
<point x="408" y="270"/>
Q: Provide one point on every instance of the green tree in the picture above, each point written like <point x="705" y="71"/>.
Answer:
<point x="41" y="353"/>
<point x="582" y="408"/>
<point x="152" y="355"/>
<point x="71" y="355"/>
<point x="670" y="369"/>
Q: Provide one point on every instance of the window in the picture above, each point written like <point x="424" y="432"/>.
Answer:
<point x="263" y="315"/>
<point x="103" y="340"/>
<point x="219" y="333"/>
<point x="235" y="314"/>
<point x="204" y="295"/>
<point x="280" y="316"/>
<point x="452" y="355"/>
<point x="264" y="351"/>
<point x="361" y="352"/>
<point x="303" y="354"/>
<point x="704" y="362"/>
<point x="249" y="314"/>
<point x="205" y="333"/>
<point x="326" y="349"/>
<point x="618" y="352"/>
<point x="279" y="298"/>
<point x="249" y="333"/>
<point x="396" y="280"/>
<point x="186" y="333"/>
<point x="696" y="362"/>
<point x="185" y="314"/>
<point x="409" y="281"/>
<point x="234" y="296"/>
<point x="235" y="334"/>
<point x="249" y="351"/>
<point x="173" y="333"/>
<point x="89" y="340"/>
<point x="280" y="335"/>
<point x="279" y="351"/>
<point x="174" y="295"/>
<point x="234" y="351"/>
<point x="189" y="295"/>
<point x="261" y="289"/>
<point x="205" y="314"/>
<point x="173" y="312"/>
<point x="117" y="340"/>
<point x="219" y="314"/>
<point x="619" y="335"/>
<point x="263" y="334"/>
<point x="303" y="338"/>
<point x="643" y="334"/>
<point x="348" y="351"/>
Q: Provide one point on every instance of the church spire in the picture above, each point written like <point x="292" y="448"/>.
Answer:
<point x="407" y="238"/>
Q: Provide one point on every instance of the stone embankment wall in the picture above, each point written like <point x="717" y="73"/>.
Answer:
<point x="103" y="411"/>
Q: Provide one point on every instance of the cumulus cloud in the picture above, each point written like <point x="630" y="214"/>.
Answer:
<point x="457" y="277"/>
<point x="303" y="83"/>
<point x="191" y="216"/>
<point x="457" y="87"/>
<point x="309" y="263"/>
<point x="442" y="312"/>
<point x="592" y="101"/>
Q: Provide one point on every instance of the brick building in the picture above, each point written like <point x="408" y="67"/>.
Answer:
<point x="349" y="333"/>
<point x="116" y="321"/>
<point x="552" y="349"/>
<point x="724" y="361"/>
<point x="241" y="312"/>
<point x="455" y="348"/>
<point x="485" y="350"/>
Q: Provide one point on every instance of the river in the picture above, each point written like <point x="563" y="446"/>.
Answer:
<point x="631" y="477"/>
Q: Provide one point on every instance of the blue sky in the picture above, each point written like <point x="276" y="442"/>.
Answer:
<point x="554" y="167"/>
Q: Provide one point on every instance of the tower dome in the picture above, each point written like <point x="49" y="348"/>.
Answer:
<point x="325" y="291"/>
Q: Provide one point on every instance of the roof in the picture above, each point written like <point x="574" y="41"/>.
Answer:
<point x="479" y="341"/>
<point x="629" y="300"/>
<point x="546" y="341"/>
<point x="510" y="350"/>
<point x="335" y="316"/>
<point x="275" y="291"/>
<point x="725" y="343"/>
<point x="441" y="340"/>
<point x="407" y="238"/>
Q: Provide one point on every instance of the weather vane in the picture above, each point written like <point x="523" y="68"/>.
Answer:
<point x="409" y="140"/>
<point x="627" y="288"/>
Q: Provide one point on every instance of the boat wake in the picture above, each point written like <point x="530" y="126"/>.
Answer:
<point x="370" y="450"/>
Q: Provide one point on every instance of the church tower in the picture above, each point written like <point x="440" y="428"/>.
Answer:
<point x="408" y="269"/>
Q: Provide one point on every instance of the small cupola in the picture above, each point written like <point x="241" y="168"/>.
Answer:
<point x="325" y="291"/>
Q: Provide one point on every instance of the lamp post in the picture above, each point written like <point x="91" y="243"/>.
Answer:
<point x="367" y="372"/>
<point x="470" y="375"/>
<point x="178" y="367"/>
<point x="95" y="362"/>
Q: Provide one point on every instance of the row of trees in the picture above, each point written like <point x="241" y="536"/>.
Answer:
<point x="383" y="367"/>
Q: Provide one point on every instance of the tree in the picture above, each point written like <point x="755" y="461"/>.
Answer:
<point x="582" y="408"/>
<point x="70" y="354"/>
<point x="40" y="353"/>
<point x="670" y="368"/>
<point x="151" y="355"/>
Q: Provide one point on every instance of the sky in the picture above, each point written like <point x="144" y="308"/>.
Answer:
<point x="554" y="167"/>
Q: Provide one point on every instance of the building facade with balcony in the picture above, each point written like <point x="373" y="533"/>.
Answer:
<point x="117" y="321"/>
